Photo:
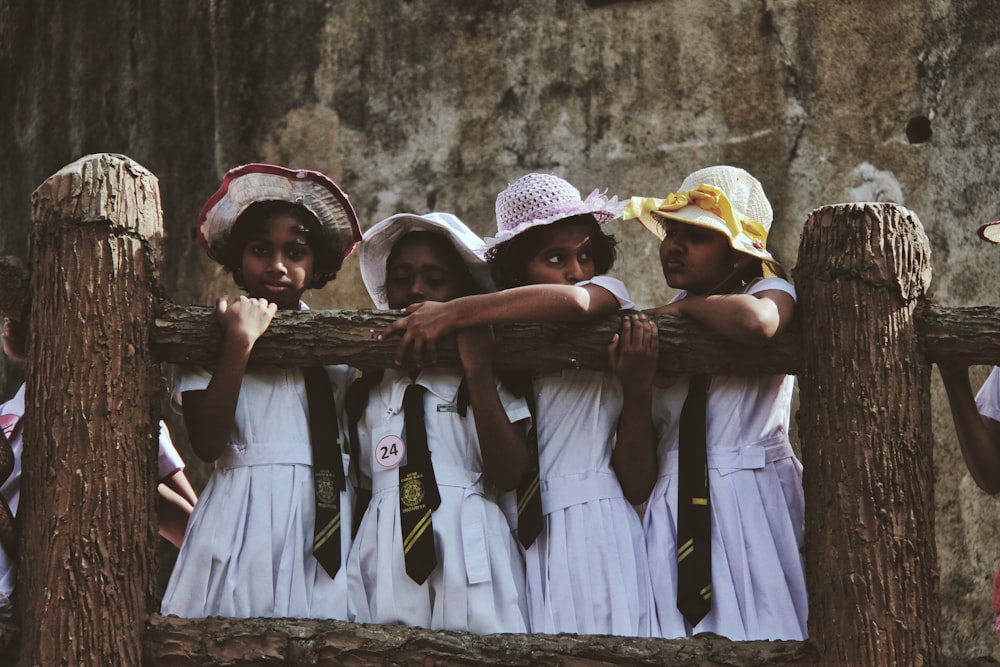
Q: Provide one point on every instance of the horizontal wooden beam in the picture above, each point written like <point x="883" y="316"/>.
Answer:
<point x="227" y="641"/>
<point x="190" y="335"/>
<point x="967" y="335"/>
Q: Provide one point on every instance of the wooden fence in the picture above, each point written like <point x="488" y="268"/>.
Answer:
<point x="862" y="348"/>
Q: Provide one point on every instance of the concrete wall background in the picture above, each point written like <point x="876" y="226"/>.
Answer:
<point x="414" y="106"/>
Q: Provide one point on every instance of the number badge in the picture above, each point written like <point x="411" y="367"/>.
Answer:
<point x="389" y="451"/>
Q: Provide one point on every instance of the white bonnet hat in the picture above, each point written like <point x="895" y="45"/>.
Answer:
<point x="377" y="243"/>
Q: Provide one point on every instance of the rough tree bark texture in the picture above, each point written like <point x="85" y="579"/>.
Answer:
<point x="864" y="421"/>
<point x="966" y="335"/>
<point x="87" y="545"/>
<point x="174" y="642"/>
<point x="190" y="335"/>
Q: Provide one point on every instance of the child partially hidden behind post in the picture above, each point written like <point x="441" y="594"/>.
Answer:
<point x="175" y="498"/>
<point x="977" y="419"/>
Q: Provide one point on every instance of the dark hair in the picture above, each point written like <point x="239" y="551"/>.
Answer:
<point x="755" y="269"/>
<point x="509" y="259"/>
<point x="328" y="257"/>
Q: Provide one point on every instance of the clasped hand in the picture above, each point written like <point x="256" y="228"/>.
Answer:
<point x="422" y="327"/>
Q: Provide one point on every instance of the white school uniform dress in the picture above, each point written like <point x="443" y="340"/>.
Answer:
<point x="586" y="572"/>
<point x="247" y="550"/>
<point x="11" y="414"/>
<point x="988" y="397"/>
<point x="757" y="507"/>
<point x="478" y="584"/>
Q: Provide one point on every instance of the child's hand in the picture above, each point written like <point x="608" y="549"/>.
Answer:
<point x="633" y="353"/>
<point x="425" y="323"/>
<point x="475" y="349"/>
<point x="245" y="319"/>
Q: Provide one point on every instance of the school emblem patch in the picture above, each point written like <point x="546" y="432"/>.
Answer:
<point x="326" y="489"/>
<point x="412" y="490"/>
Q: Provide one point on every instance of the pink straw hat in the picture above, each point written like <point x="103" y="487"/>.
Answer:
<point x="252" y="183"/>
<point x="542" y="199"/>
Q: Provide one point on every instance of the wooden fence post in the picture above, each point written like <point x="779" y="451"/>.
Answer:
<point x="87" y="558"/>
<point x="864" y="421"/>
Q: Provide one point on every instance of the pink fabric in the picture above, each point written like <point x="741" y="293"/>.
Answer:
<point x="996" y="598"/>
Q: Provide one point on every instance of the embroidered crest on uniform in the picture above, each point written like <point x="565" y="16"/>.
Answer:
<point x="412" y="490"/>
<point x="326" y="487"/>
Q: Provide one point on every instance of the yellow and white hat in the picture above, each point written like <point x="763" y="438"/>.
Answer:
<point x="722" y="198"/>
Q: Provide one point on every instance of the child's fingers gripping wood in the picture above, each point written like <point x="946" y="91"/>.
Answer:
<point x="245" y="319"/>
<point x="425" y="323"/>
<point x="634" y="352"/>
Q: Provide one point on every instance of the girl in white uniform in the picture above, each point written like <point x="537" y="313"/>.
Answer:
<point x="586" y="571"/>
<point x="249" y="546"/>
<point x="713" y="233"/>
<point x="477" y="448"/>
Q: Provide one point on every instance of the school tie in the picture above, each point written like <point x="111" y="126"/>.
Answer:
<point x="328" y="468"/>
<point x="529" y="496"/>
<point x="418" y="491"/>
<point x="694" y="528"/>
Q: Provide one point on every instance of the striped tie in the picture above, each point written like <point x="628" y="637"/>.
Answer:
<point x="418" y="491"/>
<point x="328" y="469"/>
<point x="694" y="528"/>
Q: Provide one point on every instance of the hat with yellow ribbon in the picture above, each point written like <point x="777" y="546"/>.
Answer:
<point x="721" y="198"/>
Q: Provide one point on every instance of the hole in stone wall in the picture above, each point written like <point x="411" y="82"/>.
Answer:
<point x="918" y="130"/>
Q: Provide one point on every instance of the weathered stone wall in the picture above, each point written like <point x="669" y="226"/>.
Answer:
<point x="438" y="105"/>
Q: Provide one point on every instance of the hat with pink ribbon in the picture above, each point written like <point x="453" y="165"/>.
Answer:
<point x="542" y="199"/>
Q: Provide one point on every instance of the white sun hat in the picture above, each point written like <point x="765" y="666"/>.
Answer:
<point x="377" y="243"/>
